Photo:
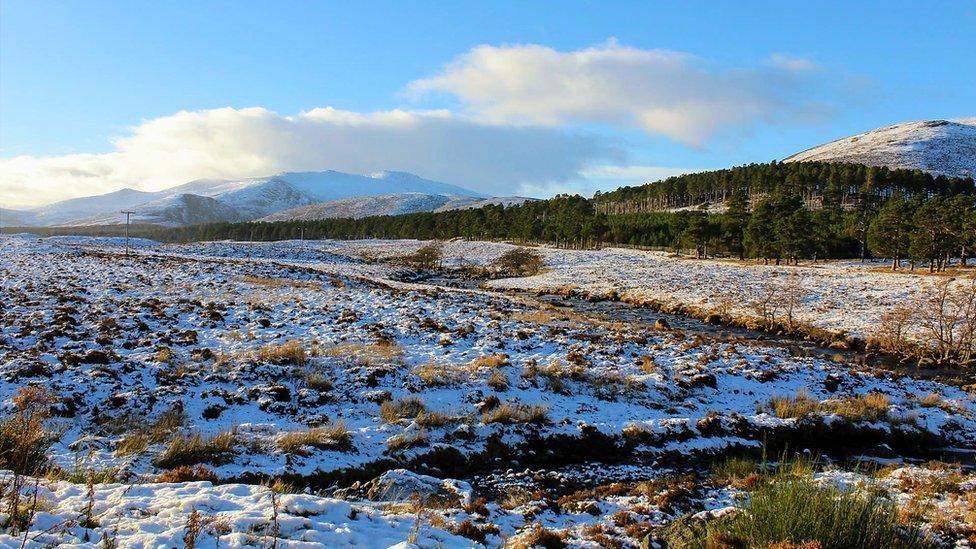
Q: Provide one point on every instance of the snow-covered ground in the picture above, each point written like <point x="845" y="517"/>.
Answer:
<point x="308" y="361"/>
<point x="838" y="296"/>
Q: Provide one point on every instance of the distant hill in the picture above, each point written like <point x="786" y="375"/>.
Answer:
<point x="939" y="147"/>
<point x="214" y="200"/>
<point x="387" y="204"/>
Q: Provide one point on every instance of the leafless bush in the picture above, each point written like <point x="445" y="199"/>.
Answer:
<point x="779" y="302"/>
<point x="426" y="258"/>
<point x="947" y="320"/>
<point x="892" y="333"/>
<point x="517" y="262"/>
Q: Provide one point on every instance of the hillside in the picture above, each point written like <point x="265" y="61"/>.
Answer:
<point x="387" y="204"/>
<point x="940" y="147"/>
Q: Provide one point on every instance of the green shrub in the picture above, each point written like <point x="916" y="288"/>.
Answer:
<point x="798" y="510"/>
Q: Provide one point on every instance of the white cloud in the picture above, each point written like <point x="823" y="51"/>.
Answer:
<point x="235" y="143"/>
<point x="670" y="93"/>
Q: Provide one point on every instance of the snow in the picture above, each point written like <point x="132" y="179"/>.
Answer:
<point x="366" y="334"/>
<point x="942" y="147"/>
<point x="845" y="296"/>
<point x="388" y="204"/>
<point x="233" y="515"/>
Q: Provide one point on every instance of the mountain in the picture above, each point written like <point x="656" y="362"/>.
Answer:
<point x="940" y="147"/>
<point x="61" y="213"/>
<point x="170" y="211"/>
<point x="212" y="200"/>
<point x="387" y="204"/>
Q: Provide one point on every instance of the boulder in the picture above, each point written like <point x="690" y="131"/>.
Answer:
<point x="404" y="485"/>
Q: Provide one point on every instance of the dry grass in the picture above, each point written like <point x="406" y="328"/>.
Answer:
<point x="433" y="420"/>
<point x="433" y="374"/>
<point x="647" y="364"/>
<point x="538" y="536"/>
<point x="330" y="437"/>
<point x="317" y="381"/>
<point x="492" y="361"/>
<point x="406" y="441"/>
<point x="290" y="352"/>
<point x="402" y="408"/>
<point x="518" y="413"/>
<point x="869" y="407"/>
<point x="194" y="449"/>
<point x="277" y="282"/>
<point x="498" y="381"/>
<point x="133" y="444"/>
<point x="367" y="354"/>
<point x="794" y="407"/>
<point x="536" y="317"/>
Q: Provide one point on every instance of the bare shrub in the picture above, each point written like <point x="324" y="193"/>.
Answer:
<point x="892" y="332"/>
<point x="426" y="258"/>
<point x="779" y="302"/>
<point x="948" y="322"/>
<point x="517" y="262"/>
<point x="23" y="440"/>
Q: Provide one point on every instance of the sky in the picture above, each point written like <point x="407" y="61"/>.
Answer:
<point x="526" y="98"/>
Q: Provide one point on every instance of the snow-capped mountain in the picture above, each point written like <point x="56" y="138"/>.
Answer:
<point x="387" y="204"/>
<point x="212" y="200"/>
<point x="941" y="147"/>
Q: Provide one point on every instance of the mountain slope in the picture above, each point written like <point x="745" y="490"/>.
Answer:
<point x="66" y="211"/>
<point x="941" y="147"/>
<point x="387" y="204"/>
<point x="171" y="211"/>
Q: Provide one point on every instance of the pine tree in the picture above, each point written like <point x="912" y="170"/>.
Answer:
<point x="734" y="222"/>
<point x="759" y="232"/>
<point x="888" y="234"/>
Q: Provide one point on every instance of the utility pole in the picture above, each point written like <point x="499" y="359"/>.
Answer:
<point x="127" y="214"/>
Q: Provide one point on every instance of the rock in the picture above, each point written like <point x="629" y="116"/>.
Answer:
<point x="378" y="396"/>
<point x="404" y="485"/>
<point x="277" y="392"/>
<point x="831" y="383"/>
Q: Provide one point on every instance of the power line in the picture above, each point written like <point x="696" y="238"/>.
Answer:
<point x="127" y="214"/>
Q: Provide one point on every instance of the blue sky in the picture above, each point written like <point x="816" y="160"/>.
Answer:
<point x="92" y="88"/>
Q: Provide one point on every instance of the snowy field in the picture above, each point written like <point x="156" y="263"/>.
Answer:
<point x="233" y="364"/>
<point x="839" y="295"/>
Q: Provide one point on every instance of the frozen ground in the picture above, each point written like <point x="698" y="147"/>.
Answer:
<point x="839" y="295"/>
<point x="306" y="362"/>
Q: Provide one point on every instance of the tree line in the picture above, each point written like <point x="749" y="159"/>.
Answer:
<point x="922" y="219"/>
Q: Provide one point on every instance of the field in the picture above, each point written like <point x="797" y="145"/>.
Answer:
<point x="304" y="394"/>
